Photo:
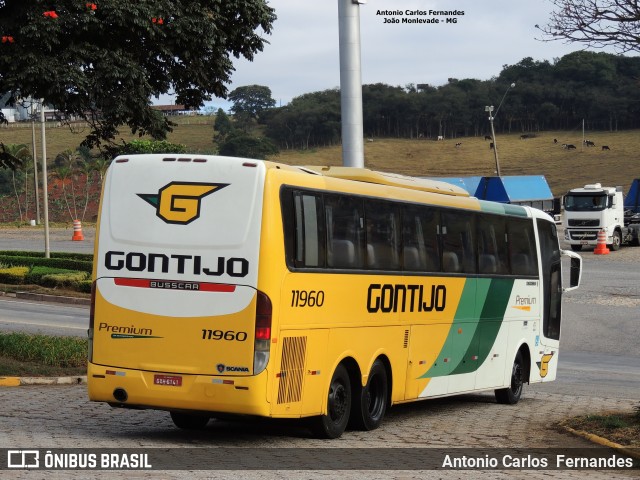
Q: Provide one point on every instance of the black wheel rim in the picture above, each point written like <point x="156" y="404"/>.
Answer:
<point x="516" y="378"/>
<point x="337" y="401"/>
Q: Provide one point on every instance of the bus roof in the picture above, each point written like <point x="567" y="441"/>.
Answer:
<point x="391" y="179"/>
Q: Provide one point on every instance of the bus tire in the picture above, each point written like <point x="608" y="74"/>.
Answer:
<point x="334" y="423"/>
<point x="189" y="421"/>
<point x="369" y="409"/>
<point x="511" y="395"/>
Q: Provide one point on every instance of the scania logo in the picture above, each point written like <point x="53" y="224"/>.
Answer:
<point x="220" y="367"/>
<point x="179" y="202"/>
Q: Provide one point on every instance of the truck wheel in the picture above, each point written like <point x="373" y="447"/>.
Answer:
<point x="616" y="241"/>
<point x="511" y="395"/>
<point x="576" y="248"/>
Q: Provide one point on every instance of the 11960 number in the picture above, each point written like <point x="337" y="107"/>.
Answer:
<point x="307" y="298"/>
<point x="229" y="335"/>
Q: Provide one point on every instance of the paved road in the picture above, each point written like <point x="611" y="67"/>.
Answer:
<point x="43" y="318"/>
<point x="32" y="239"/>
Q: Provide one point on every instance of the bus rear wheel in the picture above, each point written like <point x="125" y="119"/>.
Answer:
<point x="511" y="395"/>
<point x="189" y="421"/>
<point x="370" y="408"/>
<point x="333" y="424"/>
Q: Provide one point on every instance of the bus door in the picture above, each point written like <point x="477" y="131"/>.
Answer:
<point x="545" y="355"/>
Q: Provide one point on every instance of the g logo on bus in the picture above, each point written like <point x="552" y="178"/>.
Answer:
<point x="179" y="202"/>
<point x="543" y="364"/>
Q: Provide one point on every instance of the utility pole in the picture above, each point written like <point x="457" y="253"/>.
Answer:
<point x="493" y="132"/>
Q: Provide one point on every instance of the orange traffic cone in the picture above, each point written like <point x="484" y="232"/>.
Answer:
<point x="601" y="247"/>
<point x="77" y="231"/>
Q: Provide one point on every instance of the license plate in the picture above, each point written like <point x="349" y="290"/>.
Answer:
<point x="584" y="242"/>
<point x="169" y="380"/>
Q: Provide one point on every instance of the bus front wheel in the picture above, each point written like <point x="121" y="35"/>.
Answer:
<point x="370" y="408"/>
<point x="511" y="395"/>
<point x="189" y="421"/>
<point x="333" y="424"/>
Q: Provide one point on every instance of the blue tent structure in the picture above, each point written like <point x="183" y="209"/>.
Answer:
<point x="531" y="190"/>
<point x="632" y="200"/>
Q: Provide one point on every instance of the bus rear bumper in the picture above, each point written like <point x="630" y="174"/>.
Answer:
<point x="244" y="395"/>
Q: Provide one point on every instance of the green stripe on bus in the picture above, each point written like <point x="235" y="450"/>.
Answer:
<point x="469" y="341"/>
<point x="492" y="316"/>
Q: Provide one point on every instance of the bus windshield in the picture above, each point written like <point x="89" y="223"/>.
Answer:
<point x="585" y="203"/>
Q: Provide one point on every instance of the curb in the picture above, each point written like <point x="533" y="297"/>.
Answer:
<point x="630" y="452"/>
<point x="24" y="381"/>
<point x="41" y="297"/>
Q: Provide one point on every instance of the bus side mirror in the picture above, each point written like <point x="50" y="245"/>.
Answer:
<point x="575" y="272"/>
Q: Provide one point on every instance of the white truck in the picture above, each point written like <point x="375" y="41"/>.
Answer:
<point x="593" y="208"/>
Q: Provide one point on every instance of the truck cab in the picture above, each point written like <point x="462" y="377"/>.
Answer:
<point x="590" y="209"/>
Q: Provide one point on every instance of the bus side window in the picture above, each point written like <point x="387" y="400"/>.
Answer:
<point x="421" y="249"/>
<point x="458" y="245"/>
<point x="492" y="248"/>
<point x="345" y="231"/>
<point x="309" y="238"/>
<point x="522" y="251"/>
<point x="383" y="236"/>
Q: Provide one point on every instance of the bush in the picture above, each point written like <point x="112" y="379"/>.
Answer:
<point x="13" y="275"/>
<point x="38" y="273"/>
<point x="29" y="261"/>
<point x="85" y="257"/>
<point x="63" y="280"/>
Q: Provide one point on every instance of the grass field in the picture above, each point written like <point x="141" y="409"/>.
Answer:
<point x="563" y="169"/>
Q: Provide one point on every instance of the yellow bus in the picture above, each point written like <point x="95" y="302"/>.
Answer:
<point x="232" y="286"/>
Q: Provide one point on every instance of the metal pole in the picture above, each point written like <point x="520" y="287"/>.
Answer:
<point x="35" y="163"/>
<point x="351" y="83"/>
<point x="45" y="190"/>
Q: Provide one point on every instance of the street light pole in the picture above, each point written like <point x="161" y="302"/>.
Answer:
<point x="35" y="162"/>
<point x="45" y="191"/>
<point x="493" y="132"/>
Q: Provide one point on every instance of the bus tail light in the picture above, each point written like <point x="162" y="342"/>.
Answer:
<point x="262" y="343"/>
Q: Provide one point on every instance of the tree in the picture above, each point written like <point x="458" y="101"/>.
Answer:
<point x="103" y="61"/>
<point x="21" y="154"/>
<point x="596" y="23"/>
<point x="222" y="126"/>
<point x="251" y="101"/>
<point x="246" y="146"/>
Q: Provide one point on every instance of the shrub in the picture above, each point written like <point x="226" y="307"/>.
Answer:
<point x="63" y="280"/>
<point x="37" y="273"/>
<point x="13" y="275"/>
<point x="65" y="263"/>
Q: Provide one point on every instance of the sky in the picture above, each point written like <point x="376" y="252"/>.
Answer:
<point x="303" y="51"/>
